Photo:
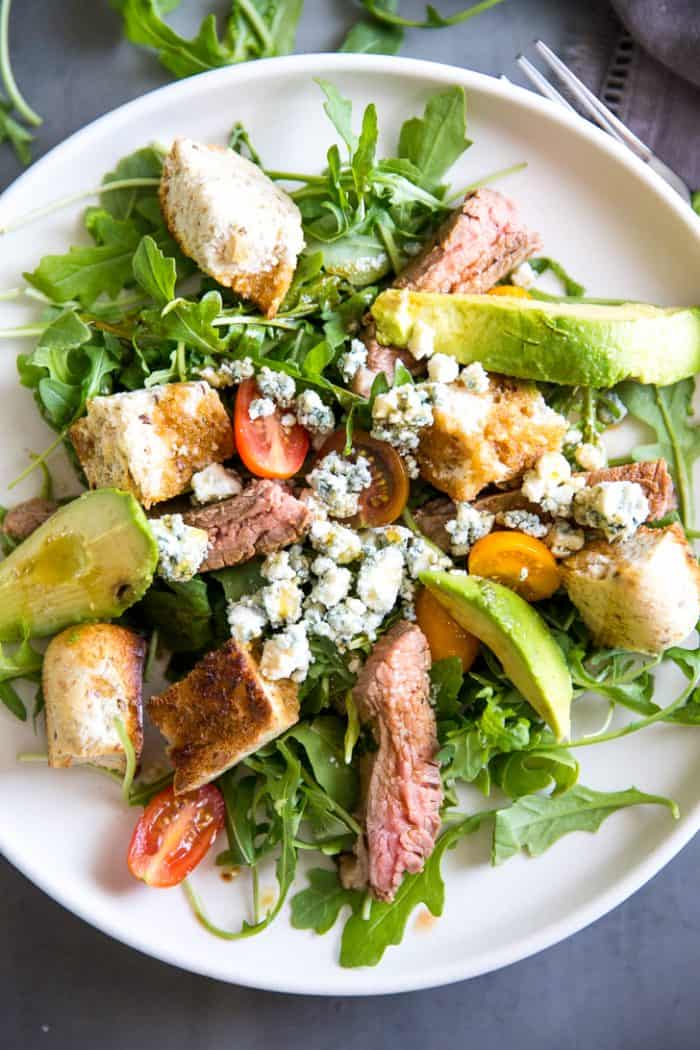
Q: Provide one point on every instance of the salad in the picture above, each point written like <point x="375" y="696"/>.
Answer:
<point x="347" y="486"/>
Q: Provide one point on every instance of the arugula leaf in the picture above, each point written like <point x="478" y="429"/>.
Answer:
<point x="542" y="264"/>
<point x="13" y="701"/>
<point x="323" y="740"/>
<point x="241" y="827"/>
<point x="436" y="140"/>
<point x="469" y="748"/>
<point x="181" y="613"/>
<point x="183" y="320"/>
<point x="65" y="332"/>
<point x="146" y="163"/>
<point x="365" y="940"/>
<point x="526" y="772"/>
<point x="85" y="273"/>
<point x="432" y="20"/>
<point x="536" y="822"/>
<point x="238" y="580"/>
<point x="339" y="111"/>
<point x="668" y="410"/>
<point x="695" y="202"/>
<point x="318" y="907"/>
<point x="371" y="37"/>
<point x="154" y="271"/>
<point x="446" y="678"/>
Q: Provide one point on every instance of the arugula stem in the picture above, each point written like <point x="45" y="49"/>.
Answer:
<point x="349" y="821"/>
<point x="295" y="176"/>
<point x="38" y="460"/>
<point x="13" y="92"/>
<point x="381" y="14"/>
<point x="685" y="492"/>
<point x="631" y="727"/>
<point x="130" y="753"/>
<point x="181" y="361"/>
<point x="258" y="25"/>
<point x="255" y="879"/>
<point x="64" y="202"/>
<point x="10" y="293"/>
<point x="23" y="332"/>
<point x="493" y="177"/>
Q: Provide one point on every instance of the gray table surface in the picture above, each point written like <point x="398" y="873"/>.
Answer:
<point x="629" y="981"/>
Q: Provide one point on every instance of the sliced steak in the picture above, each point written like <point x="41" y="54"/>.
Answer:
<point x="22" y="520"/>
<point x="652" y="475"/>
<point x="474" y="248"/>
<point x="264" y="518"/>
<point x="403" y="791"/>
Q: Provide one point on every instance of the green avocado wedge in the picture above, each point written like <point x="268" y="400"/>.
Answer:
<point x="91" y="560"/>
<point x="573" y="344"/>
<point x="516" y="634"/>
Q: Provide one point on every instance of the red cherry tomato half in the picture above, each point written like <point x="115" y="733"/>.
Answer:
<point x="174" y="833"/>
<point x="382" y="502"/>
<point x="268" y="449"/>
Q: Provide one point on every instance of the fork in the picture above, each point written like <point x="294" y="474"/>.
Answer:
<point x="596" y="110"/>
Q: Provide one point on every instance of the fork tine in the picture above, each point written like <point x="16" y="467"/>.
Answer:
<point x="593" y="106"/>
<point x="543" y="86"/>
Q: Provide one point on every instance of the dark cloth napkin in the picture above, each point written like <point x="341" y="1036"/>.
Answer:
<point x="643" y="60"/>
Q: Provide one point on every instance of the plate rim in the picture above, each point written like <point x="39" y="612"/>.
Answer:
<point x="381" y="981"/>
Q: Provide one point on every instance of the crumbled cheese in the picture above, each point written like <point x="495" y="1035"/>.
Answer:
<point x="421" y="342"/>
<point x="350" y="619"/>
<point x="260" y="407"/>
<point x="288" y="419"/>
<point x="181" y="548"/>
<point x="278" y="566"/>
<point x="314" y="620"/>
<point x="313" y="414"/>
<point x="468" y="526"/>
<point x="563" y="539"/>
<point x="442" y="368"/>
<point x="379" y="579"/>
<point x="352" y="360"/>
<point x="341" y="544"/>
<point x="299" y="563"/>
<point x="333" y="583"/>
<point x="399" y="415"/>
<point x="246" y="619"/>
<point x="338" y="482"/>
<point x="573" y="437"/>
<point x="523" y="521"/>
<point x="215" y="483"/>
<point x="228" y="373"/>
<point x="551" y="484"/>
<point x="286" y="655"/>
<point x="475" y="378"/>
<point x="617" y="508"/>
<point x="407" y="594"/>
<point x="590" y="456"/>
<point x="523" y="276"/>
<point x="277" y="386"/>
<point x="282" y="600"/>
<point x="422" y="556"/>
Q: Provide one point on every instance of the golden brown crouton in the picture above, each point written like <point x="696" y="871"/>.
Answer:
<point x="92" y="675"/>
<point x="222" y="711"/>
<point x="641" y="594"/>
<point x="478" y="438"/>
<point x="236" y="223"/>
<point x="151" y="442"/>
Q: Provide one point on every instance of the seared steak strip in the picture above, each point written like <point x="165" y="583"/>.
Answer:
<point x="403" y="791"/>
<point x="653" y="476"/>
<point x="475" y="247"/>
<point x="264" y="518"/>
<point x="22" y="520"/>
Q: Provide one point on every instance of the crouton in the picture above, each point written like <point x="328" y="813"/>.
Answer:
<point x="641" y="594"/>
<point x="478" y="438"/>
<point x="220" y="713"/>
<point x="92" y="675"/>
<point x="237" y="225"/>
<point x="151" y="442"/>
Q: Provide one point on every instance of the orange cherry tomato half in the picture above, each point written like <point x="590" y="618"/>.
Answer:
<point x="518" y="561"/>
<point x="174" y="833"/>
<point x="382" y="502"/>
<point x="268" y="449"/>
<point x="511" y="290"/>
<point x="445" y="636"/>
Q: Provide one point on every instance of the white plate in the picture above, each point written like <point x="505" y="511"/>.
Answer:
<point x="617" y="228"/>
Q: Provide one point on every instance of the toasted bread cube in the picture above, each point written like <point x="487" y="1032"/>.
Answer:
<point x="641" y="594"/>
<point x="237" y="225"/>
<point x="92" y="675"/>
<point x="151" y="442"/>
<point x="220" y="713"/>
<point x="481" y="437"/>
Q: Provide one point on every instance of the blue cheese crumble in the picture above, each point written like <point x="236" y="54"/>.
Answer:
<point x="282" y="601"/>
<point x="181" y="548"/>
<point x="379" y="579"/>
<point x="313" y="414"/>
<point x="286" y="655"/>
<point x="338" y="483"/>
<point x="215" y="483"/>
<point x="468" y="526"/>
<point x="260" y="407"/>
<point x="277" y="386"/>
<point x="475" y="378"/>
<point x="442" y="368"/>
<point x="352" y="360"/>
<point x="341" y="544"/>
<point x="246" y="619"/>
<point x="617" y="508"/>
<point x="229" y="373"/>
<point x="333" y="582"/>
<point x="524" y="521"/>
<point x="590" y="456"/>
<point x="563" y="539"/>
<point x="550" y="484"/>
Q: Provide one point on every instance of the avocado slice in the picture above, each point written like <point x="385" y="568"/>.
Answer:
<point x="518" y="636"/>
<point x="91" y="560"/>
<point x="574" y="344"/>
